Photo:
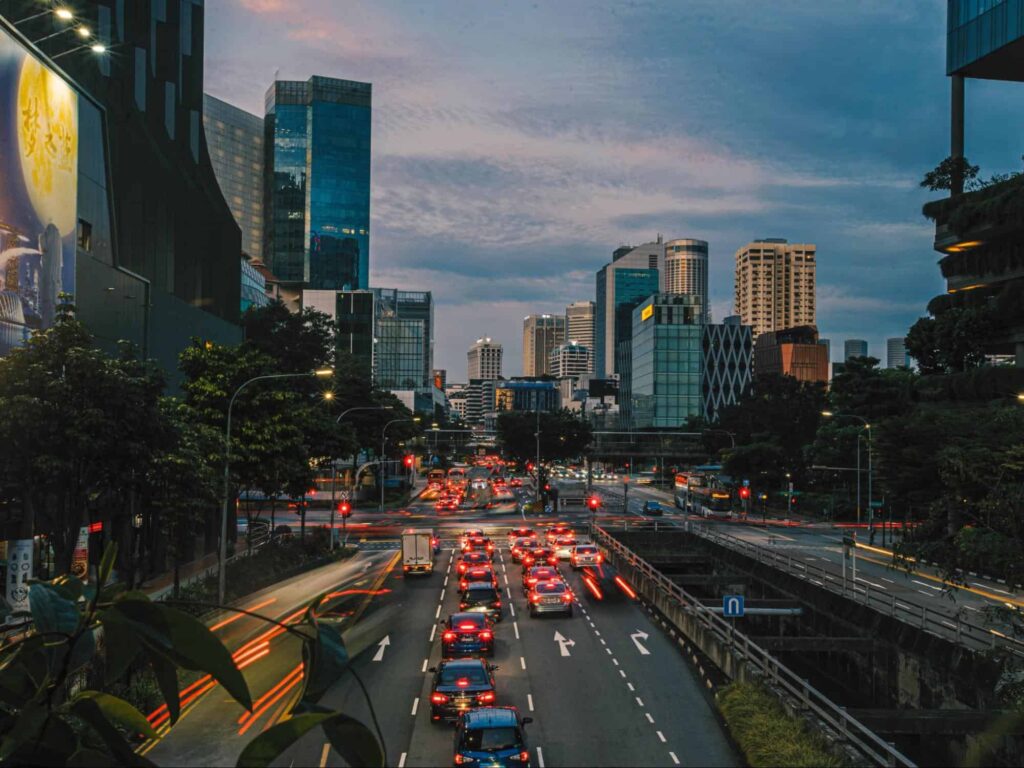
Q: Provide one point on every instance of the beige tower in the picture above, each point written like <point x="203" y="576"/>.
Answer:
<point x="541" y="334"/>
<point x="775" y="285"/>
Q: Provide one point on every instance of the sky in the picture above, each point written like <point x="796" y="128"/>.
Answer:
<point x="517" y="144"/>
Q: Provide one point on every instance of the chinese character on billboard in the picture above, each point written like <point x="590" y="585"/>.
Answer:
<point x="38" y="193"/>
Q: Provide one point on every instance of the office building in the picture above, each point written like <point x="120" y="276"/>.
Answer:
<point x="484" y="359"/>
<point x="154" y="252"/>
<point x="569" y="360"/>
<point x="541" y="334"/>
<point x="317" y="183"/>
<point x="980" y="234"/>
<point x="235" y="141"/>
<point x="792" y="352"/>
<point x="775" y="283"/>
<point x="726" y="365"/>
<point x="854" y="348"/>
<point x="479" y="400"/>
<point x="579" y="326"/>
<point x="827" y="344"/>
<point x="520" y="395"/>
<point x="686" y="270"/>
<point x="254" y="287"/>
<point x="662" y="387"/>
<point x="896" y="353"/>
<point x="631" y="277"/>
<point x="457" y="394"/>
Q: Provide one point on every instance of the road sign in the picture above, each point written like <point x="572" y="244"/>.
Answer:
<point x="732" y="606"/>
<point x="876" y="504"/>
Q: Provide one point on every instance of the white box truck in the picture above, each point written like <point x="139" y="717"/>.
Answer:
<point x="418" y="551"/>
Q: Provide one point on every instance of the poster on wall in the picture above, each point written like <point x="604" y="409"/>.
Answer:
<point x="38" y="193"/>
<point x="19" y="571"/>
<point x="80" y="558"/>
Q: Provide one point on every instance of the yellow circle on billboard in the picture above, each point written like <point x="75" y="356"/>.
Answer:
<point x="48" y="144"/>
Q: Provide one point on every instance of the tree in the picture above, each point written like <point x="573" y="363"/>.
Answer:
<point x="951" y="172"/>
<point x="302" y="341"/>
<point x="562" y="435"/>
<point x="953" y="342"/>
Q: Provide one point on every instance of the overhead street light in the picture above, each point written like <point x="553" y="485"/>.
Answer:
<point x="334" y="463"/>
<point x="867" y="426"/>
<point x="383" y="462"/>
<point x="98" y="48"/>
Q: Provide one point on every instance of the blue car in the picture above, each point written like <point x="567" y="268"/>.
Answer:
<point x="492" y="736"/>
<point x="466" y="634"/>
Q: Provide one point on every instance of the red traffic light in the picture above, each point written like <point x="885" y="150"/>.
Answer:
<point x="409" y="461"/>
<point x="344" y="509"/>
<point x="547" y="487"/>
<point x="594" y="502"/>
<point x="744" y="493"/>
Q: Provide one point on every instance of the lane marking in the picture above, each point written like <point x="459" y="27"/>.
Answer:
<point x="446" y="581"/>
<point x="323" y="754"/>
<point x="508" y="591"/>
<point x="515" y="626"/>
<point x="631" y="688"/>
<point x="597" y="632"/>
<point x="602" y="641"/>
<point x="522" y="662"/>
<point x="674" y="758"/>
<point x="506" y="585"/>
<point x="929" y="594"/>
<point x="424" y="667"/>
<point x="873" y="584"/>
<point x="401" y="761"/>
<point x="615" y="661"/>
<point x="885" y="579"/>
<point x="540" y="758"/>
<point x="529" y="701"/>
<point x="622" y="674"/>
<point x="649" y="718"/>
<point x="441" y="598"/>
<point x="662" y="737"/>
<point x="639" y="701"/>
<point x="608" y="649"/>
<point x="415" y="706"/>
<point x="437" y="613"/>
<point x="512" y="610"/>
<point x="433" y="629"/>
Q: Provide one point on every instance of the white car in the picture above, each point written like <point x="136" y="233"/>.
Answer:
<point x="564" y="546"/>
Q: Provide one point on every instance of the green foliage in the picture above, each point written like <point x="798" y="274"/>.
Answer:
<point x="767" y="734"/>
<point x="949" y="172"/>
<point x="954" y="340"/>
<point x="562" y="435"/>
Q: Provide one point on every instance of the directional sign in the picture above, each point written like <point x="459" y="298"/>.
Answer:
<point x="379" y="655"/>
<point x="732" y="606"/>
<point x="637" y="637"/>
<point x="563" y="644"/>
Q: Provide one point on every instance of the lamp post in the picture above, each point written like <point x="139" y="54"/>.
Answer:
<point x="867" y="426"/>
<point x="383" y="463"/>
<point x="334" y="463"/>
<point x="732" y="435"/>
<point x="96" y="48"/>
<point x="222" y="570"/>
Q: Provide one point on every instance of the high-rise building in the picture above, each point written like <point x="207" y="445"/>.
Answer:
<point x="686" y="270"/>
<point x="440" y="378"/>
<point x="569" y="360"/>
<point x="317" y="182"/>
<point x="775" y="284"/>
<point x="896" y="353"/>
<point x="854" y="348"/>
<point x="579" y="326"/>
<point x="479" y="400"/>
<point x="631" y="276"/>
<point x="726" y="365"/>
<point x="792" y="352"/>
<point x="484" y="359"/>
<point x="541" y="334"/>
<point x="519" y="395"/>
<point x="235" y="140"/>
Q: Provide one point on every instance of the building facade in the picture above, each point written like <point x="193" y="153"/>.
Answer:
<point x="457" y="394"/>
<point x="854" y="348"/>
<point x="479" y="400"/>
<point x="896" y="353"/>
<point x="541" y="334"/>
<point x="726" y="365"/>
<point x="686" y="270"/>
<point x="632" y="276"/>
<point x="254" y="288"/>
<point x="235" y="141"/>
<point x="775" y="284"/>
<point x="484" y="359"/>
<point x="317" y="182"/>
<point x="792" y="352"/>
<point x="518" y="395"/>
<point x="579" y="326"/>
<point x="571" y="359"/>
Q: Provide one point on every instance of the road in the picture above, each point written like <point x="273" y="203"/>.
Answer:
<point x="605" y="702"/>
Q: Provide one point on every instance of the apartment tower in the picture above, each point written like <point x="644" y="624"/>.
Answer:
<point x="484" y="358"/>
<point x="775" y="285"/>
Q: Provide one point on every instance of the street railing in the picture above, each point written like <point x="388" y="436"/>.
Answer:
<point x="856" y="734"/>
<point x="904" y="609"/>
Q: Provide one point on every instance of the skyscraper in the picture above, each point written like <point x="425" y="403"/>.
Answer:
<point x="854" y="348"/>
<point x="571" y="359"/>
<point x="686" y="269"/>
<point x="317" y="182"/>
<point x="631" y="276"/>
<point x="579" y="326"/>
<point x="775" y="285"/>
<point x="484" y="359"/>
<point x="235" y="140"/>
<point x="541" y="334"/>
<point x="896" y="352"/>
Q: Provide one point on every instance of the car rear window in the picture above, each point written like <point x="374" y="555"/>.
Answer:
<point x="462" y="621"/>
<point x="528" y="543"/>
<point x="473" y="676"/>
<point x="586" y="550"/>
<point x="481" y="593"/>
<point x="491" y="739"/>
<point x="552" y="587"/>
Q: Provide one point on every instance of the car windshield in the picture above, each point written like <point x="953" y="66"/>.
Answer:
<point x="471" y="676"/>
<point x="551" y="587"/>
<point x="491" y="739"/>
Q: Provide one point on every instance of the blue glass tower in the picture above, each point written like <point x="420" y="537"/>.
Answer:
<point x="317" y="182"/>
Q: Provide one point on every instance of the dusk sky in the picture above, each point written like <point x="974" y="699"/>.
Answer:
<point x="516" y="144"/>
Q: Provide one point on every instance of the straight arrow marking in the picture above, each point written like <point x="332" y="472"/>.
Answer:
<point x="379" y="655"/>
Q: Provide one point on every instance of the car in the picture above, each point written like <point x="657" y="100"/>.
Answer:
<point x="653" y="508"/>
<point x="460" y="685"/>
<point x="479" y="544"/>
<point x="550" y="597"/>
<point x="468" y="534"/>
<point x="492" y="736"/>
<point x="563" y="546"/>
<point x="466" y="634"/>
<point x="481" y="597"/>
<point x="478" y="573"/>
<point x="520" y="533"/>
<point x="520" y="547"/>
<point x="539" y="556"/>
<point x="559" y="530"/>
<point x="584" y="555"/>
<point x="515" y="482"/>
<point x="538" y="573"/>
<point x="469" y="559"/>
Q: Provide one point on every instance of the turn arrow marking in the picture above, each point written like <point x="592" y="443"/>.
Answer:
<point x="379" y="655"/>
<point x="637" y="637"/>
<point x="563" y="644"/>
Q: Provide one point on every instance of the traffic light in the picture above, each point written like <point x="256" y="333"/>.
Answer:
<point x="408" y="461"/>
<point x="344" y="509"/>
<point x="594" y="502"/>
<point x="744" y="493"/>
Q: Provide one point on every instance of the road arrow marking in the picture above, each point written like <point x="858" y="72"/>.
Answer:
<point x="379" y="655"/>
<point x="637" y="637"/>
<point x="563" y="644"/>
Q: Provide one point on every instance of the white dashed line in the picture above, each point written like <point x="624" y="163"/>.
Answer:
<point x="529" y="701"/>
<point x="415" y="706"/>
<point x="608" y="649"/>
<point x="597" y="632"/>
<point x="446" y="581"/>
<point x="522" y="662"/>
<point x="615" y="661"/>
<point x="662" y="737"/>
<point x="425" y="662"/>
<point x="515" y="626"/>
<point x="506" y="584"/>
<point x="630" y="686"/>
<point x="649" y="718"/>
<point x="437" y="613"/>
<point x="540" y="758"/>
<point x="401" y="761"/>
<point x="674" y="758"/>
<point x="639" y="701"/>
<point x="508" y="590"/>
<point x="441" y="598"/>
<point x="622" y="674"/>
<point x="512" y="610"/>
<point x="602" y="641"/>
<point x="433" y="629"/>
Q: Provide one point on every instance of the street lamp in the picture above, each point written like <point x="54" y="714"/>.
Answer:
<point x="383" y="463"/>
<point x="334" y="463"/>
<point x="97" y="48"/>
<point x="81" y="30"/>
<point x="732" y="435"/>
<point x="222" y="570"/>
<point x="867" y="426"/>
<point x="61" y="13"/>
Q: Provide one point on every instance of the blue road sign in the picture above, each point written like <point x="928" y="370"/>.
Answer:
<point x="732" y="606"/>
<point x="746" y="483"/>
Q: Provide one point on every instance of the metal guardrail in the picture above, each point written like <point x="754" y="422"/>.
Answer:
<point x="938" y="623"/>
<point x="851" y="730"/>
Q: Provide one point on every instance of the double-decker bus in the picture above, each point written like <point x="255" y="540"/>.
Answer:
<point x="710" y="502"/>
<point x="685" y="482"/>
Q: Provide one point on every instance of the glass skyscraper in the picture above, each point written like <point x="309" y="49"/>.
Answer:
<point x="317" y="182"/>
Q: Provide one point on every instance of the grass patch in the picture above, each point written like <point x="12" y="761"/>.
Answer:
<point x="767" y="734"/>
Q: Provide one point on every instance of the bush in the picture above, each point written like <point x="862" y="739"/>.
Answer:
<point x="767" y="734"/>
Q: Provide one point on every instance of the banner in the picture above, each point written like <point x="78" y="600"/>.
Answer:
<point x="80" y="558"/>
<point x="19" y="570"/>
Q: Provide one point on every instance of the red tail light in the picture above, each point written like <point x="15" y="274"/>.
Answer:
<point x="567" y="597"/>
<point x="438" y="698"/>
<point x="486" y="635"/>
<point x="467" y="625"/>
<point x="448" y="637"/>
<point x="600" y="558"/>
<point x="534" y="598"/>
<point x="487" y="697"/>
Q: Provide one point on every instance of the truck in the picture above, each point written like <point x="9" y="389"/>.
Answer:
<point x="418" y="551"/>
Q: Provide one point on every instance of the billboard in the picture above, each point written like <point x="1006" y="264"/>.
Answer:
<point x="38" y="192"/>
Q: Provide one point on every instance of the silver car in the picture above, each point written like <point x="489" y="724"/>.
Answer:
<point x="585" y="554"/>
<point x="550" y="597"/>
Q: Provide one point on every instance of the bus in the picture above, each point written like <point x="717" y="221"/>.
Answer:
<point x="684" y="483"/>
<point x="457" y="480"/>
<point x="436" y="479"/>
<point x="710" y="502"/>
